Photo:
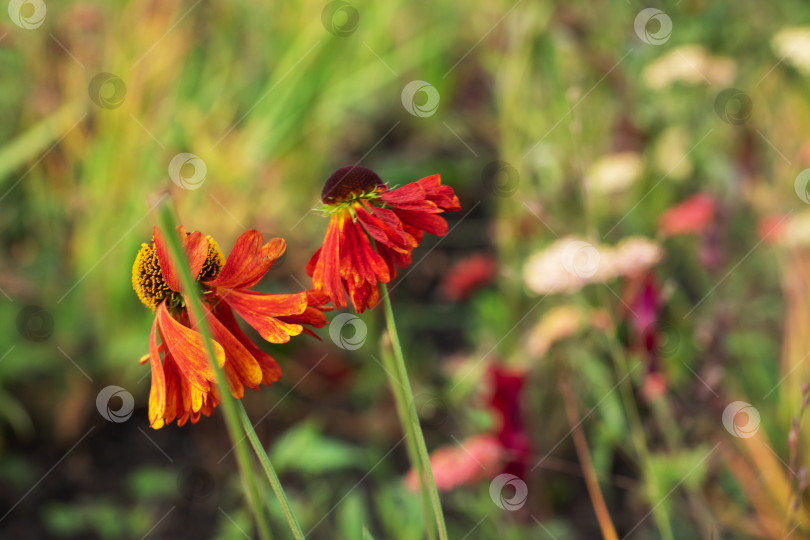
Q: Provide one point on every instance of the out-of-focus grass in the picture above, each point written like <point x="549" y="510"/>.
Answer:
<point x="272" y="103"/>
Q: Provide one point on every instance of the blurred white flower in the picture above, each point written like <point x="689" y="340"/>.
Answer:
<point x="793" y="44"/>
<point x="614" y="173"/>
<point x="569" y="264"/>
<point x="635" y="255"/>
<point x="692" y="65"/>
<point x="546" y="272"/>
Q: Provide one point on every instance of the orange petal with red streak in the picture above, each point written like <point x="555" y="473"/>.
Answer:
<point x="195" y="247"/>
<point x="260" y="311"/>
<point x="249" y="260"/>
<point x="242" y="368"/>
<point x="157" y="394"/>
<point x="189" y="351"/>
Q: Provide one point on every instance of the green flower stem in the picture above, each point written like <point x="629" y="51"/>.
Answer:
<point x="270" y="472"/>
<point x="413" y="455"/>
<point x="168" y="225"/>
<point x="409" y="419"/>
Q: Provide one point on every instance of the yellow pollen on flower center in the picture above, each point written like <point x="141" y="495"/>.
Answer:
<point x="147" y="279"/>
<point x="213" y="262"/>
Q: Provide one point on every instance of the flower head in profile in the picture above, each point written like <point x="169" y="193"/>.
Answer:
<point x="372" y="231"/>
<point x="183" y="380"/>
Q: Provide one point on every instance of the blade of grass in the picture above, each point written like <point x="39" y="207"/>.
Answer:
<point x="589" y="473"/>
<point x="168" y="225"/>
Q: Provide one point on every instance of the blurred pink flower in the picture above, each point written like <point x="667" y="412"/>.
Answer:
<point x="654" y="386"/>
<point x="692" y="216"/>
<point x="485" y="456"/>
<point x="476" y="458"/>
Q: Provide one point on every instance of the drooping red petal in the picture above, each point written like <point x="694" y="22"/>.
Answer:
<point x="157" y="394"/>
<point x="261" y="311"/>
<point x="362" y="270"/>
<point x="364" y="295"/>
<point x="394" y="259"/>
<point x="195" y="246"/>
<point x="313" y="262"/>
<point x="313" y="315"/>
<point x="326" y="270"/>
<point x="428" y="222"/>
<point x="188" y="349"/>
<point x="409" y="197"/>
<point x="365" y="264"/>
<point x="174" y="389"/>
<point x="271" y="372"/>
<point x="385" y="227"/>
<point x="240" y="366"/>
<point x="443" y="196"/>
<point x="248" y="261"/>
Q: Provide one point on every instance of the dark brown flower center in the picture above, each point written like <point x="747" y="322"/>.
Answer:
<point x="349" y="182"/>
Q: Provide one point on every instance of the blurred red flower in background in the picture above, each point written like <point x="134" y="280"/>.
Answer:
<point x="507" y="394"/>
<point x="468" y="275"/>
<point x="644" y="313"/>
<point x="691" y="216"/>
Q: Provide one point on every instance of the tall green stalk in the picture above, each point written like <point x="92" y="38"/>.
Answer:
<point x="413" y="455"/>
<point x="408" y="417"/>
<point x="230" y="407"/>
<point x="270" y="472"/>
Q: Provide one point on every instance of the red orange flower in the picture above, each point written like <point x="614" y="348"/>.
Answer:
<point x="372" y="231"/>
<point x="690" y="216"/>
<point x="469" y="275"/>
<point x="184" y="382"/>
